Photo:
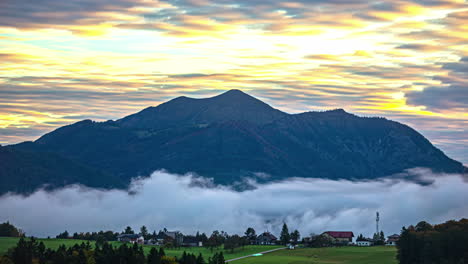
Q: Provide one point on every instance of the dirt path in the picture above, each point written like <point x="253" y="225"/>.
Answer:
<point x="264" y="252"/>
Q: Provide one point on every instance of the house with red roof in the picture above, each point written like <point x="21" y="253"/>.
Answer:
<point x="339" y="237"/>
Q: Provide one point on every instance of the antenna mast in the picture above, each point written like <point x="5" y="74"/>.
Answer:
<point x="377" y="219"/>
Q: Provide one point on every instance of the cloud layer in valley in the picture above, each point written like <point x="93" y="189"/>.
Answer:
<point x="190" y="203"/>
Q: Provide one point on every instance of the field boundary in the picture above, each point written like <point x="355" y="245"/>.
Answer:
<point x="248" y="256"/>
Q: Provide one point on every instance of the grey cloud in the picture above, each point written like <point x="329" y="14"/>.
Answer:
<point x="453" y="95"/>
<point x="421" y="47"/>
<point x="38" y="13"/>
<point x="441" y="98"/>
<point x="458" y="67"/>
<point x="311" y="205"/>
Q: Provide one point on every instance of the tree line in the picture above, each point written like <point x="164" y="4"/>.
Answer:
<point x="30" y="251"/>
<point x="215" y="240"/>
<point x="9" y="230"/>
<point x="445" y="243"/>
<point x="378" y="239"/>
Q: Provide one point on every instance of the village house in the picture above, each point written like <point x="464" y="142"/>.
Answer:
<point x="266" y="239"/>
<point x="158" y="240"/>
<point x="365" y="242"/>
<point x="391" y="240"/>
<point x="191" y="241"/>
<point x="131" y="238"/>
<point x="162" y="237"/>
<point x="177" y="236"/>
<point x="339" y="237"/>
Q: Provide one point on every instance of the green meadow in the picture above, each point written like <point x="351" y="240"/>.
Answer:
<point x="337" y="255"/>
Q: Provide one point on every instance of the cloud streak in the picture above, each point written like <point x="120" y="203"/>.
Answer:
<point x="189" y="203"/>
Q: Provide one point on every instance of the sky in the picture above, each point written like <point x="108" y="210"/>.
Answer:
<point x="64" y="61"/>
<point x="176" y="203"/>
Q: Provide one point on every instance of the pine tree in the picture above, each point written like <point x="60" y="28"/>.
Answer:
<point x="161" y="252"/>
<point x="153" y="256"/>
<point x="250" y="235"/>
<point x="295" y="236"/>
<point x="221" y="259"/>
<point x="128" y="230"/>
<point x="144" y="232"/>
<point x="200" y="259"/>
<point x="284" y="237"/>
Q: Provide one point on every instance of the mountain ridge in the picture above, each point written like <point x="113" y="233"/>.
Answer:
<point x="231" y="105"/>
<point x="234" y="135"/>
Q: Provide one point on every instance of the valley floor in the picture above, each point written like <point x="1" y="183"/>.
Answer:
<point x="9" y="242"/>
<point x="340" y="255"/>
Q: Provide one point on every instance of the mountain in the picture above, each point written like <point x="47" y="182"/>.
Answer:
<point x="24" y="172"/>
<point x="229" y="137"/>
<point x="231" y="105"/>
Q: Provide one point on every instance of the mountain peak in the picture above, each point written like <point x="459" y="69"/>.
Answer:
<point x="237" y="96"/>
<point x="228" y="106"/>
<point x="234" y="91"/>
<point x="338" y="110"/>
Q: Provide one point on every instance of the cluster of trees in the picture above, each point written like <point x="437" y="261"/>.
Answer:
<point x="444" y="243"/>
<point x="216" y="239"/>
<point x="360" y="238"/>
<point x="318" y="241"/>
<point x="112" y="236"/>
<point x="217" y="258"/>
<point x="95" y="236"/>
<point x="377" y="239"/>
<point x="159" y="257"/>
<point x="286" y="237"/>
<point x="9" y="230"/>
<point x="191" y="259"/>
<point x="234" y="241"/>
<point x="250" y="235"/>
<point x="30" y="251"/>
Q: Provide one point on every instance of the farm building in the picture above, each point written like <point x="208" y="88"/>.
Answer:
<point x="176" y="235"/>
<point x="131" y="238"/>
<point x="365" y="242"/>
<point x="339" y="237"/>
<point x="266" y="239"/>
<point x="391" y="241"/>
<point x="191" y="241"/>
<point x="167" y="236"/>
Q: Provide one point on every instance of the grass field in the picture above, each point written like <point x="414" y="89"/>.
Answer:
<point x="341" y="255"/>
<point x="9" y="242"/>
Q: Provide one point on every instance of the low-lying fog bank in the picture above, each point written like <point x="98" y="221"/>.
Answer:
<point x="175" y="202"/>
